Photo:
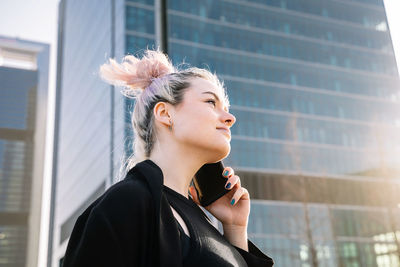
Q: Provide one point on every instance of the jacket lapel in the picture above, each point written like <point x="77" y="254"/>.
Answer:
<point x="168" y="245"/>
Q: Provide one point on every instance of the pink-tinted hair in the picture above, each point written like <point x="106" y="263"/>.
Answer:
<point x="137" y="73"/>
<point x="151" y="79"/>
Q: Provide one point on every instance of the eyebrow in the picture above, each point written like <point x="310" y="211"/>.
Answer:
<point x="209" y="92"/>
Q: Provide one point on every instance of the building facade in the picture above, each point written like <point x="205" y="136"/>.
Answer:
<point x="315" y="90"/>
<point x="88" y="142"/>
<point x="24" y="67"/>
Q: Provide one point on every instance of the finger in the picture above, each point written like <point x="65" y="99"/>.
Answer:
<point x="241" y="193"/>
<point x="238" y="182"/>
<point x="232" y="181"/>
<point x="228" y="172"/>
<point x="193" y="193"/>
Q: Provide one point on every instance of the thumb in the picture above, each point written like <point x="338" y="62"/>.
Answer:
<point x="193" y="193"/>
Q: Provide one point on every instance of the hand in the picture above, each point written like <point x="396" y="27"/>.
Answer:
<point x="233" y="208"/>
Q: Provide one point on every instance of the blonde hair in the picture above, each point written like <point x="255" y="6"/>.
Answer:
<point x="149" y="80"/>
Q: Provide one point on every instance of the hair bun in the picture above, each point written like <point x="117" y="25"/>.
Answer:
<point x="137" y="73"/>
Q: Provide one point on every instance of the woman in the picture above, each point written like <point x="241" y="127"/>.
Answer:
<point x="181" y="121"/>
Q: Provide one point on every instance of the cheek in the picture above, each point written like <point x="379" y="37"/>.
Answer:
<point x="197" y="125"/>
<point x="198" y="128"/>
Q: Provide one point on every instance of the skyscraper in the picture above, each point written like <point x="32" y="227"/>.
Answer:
<point x="89" y="114"/>
<point x="24" y="69"/>
<point x="315" y="90"/>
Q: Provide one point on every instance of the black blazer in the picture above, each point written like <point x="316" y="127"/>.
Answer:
<point x="132" y="224"/>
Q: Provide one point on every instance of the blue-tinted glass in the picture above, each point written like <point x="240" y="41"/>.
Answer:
<point x="336" y="10"/>
<point x="136" y="45"/>
<point x="147" y="2"/>
<point x="140" y="19"/>
<point x="14" y="156"/>
<point x="17" y="97"/>
<point x="242" y="14"/>
<point x="234" y="38"/>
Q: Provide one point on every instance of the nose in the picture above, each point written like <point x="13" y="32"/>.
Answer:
<point x="229" y="119"/>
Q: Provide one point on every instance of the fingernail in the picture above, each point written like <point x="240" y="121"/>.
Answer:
<point x="228" y="185"/>
<point x="232" y="202"/>
<point x="226" y="173"/>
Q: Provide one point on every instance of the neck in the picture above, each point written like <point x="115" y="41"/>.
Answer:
<point x="177" y="164"/>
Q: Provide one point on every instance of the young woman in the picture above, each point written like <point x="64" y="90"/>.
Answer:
<point x="181" y="121"/>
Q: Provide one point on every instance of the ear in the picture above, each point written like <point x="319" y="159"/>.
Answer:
<point x="162" y="113"/>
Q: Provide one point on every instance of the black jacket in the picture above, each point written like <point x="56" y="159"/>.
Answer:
<point x="132" y="224"/>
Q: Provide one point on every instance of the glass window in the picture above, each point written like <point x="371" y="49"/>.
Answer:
<point x="139" y="19"/>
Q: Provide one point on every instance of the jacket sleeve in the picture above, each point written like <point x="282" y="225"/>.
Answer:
<point x="254" y="257"/>
<point x="116" y="232"/>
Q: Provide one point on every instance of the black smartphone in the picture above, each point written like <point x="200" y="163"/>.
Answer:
<point x="210" y="183"/>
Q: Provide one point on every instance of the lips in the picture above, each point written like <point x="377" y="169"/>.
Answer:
<point x="225" y="130"/>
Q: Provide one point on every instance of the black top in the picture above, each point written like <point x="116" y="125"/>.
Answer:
<point x="206" y="245"/>
<point x="132" y="224"/>
<point x="185" y="241"/>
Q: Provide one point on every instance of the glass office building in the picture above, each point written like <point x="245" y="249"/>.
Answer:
<point x="23" y="106"/>
<point x="315" y="90"/>
<point x="89" y="129"/>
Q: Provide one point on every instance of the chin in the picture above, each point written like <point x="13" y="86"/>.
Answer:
<point x="220" y="153"/>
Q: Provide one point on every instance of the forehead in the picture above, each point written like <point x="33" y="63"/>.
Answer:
<point x="200" y="86"/>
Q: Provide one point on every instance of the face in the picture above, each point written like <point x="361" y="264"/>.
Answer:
<point x="202" y="121"/>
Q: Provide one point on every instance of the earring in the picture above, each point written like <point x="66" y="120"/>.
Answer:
<point x="170" y="125"/>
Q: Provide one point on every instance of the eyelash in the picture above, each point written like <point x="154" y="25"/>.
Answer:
<point x="213" y="101"/>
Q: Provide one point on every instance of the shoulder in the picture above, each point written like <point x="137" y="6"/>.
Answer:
<point x="125" y="200"/>
<point x="130" y="193"/>
<point x="113" y="224"/>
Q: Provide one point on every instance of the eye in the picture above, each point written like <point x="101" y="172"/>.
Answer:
<point x="212" y="101"/>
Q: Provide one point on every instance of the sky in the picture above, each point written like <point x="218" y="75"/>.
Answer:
<point x="36" y="20"/>
<point x="392" y="12"/>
